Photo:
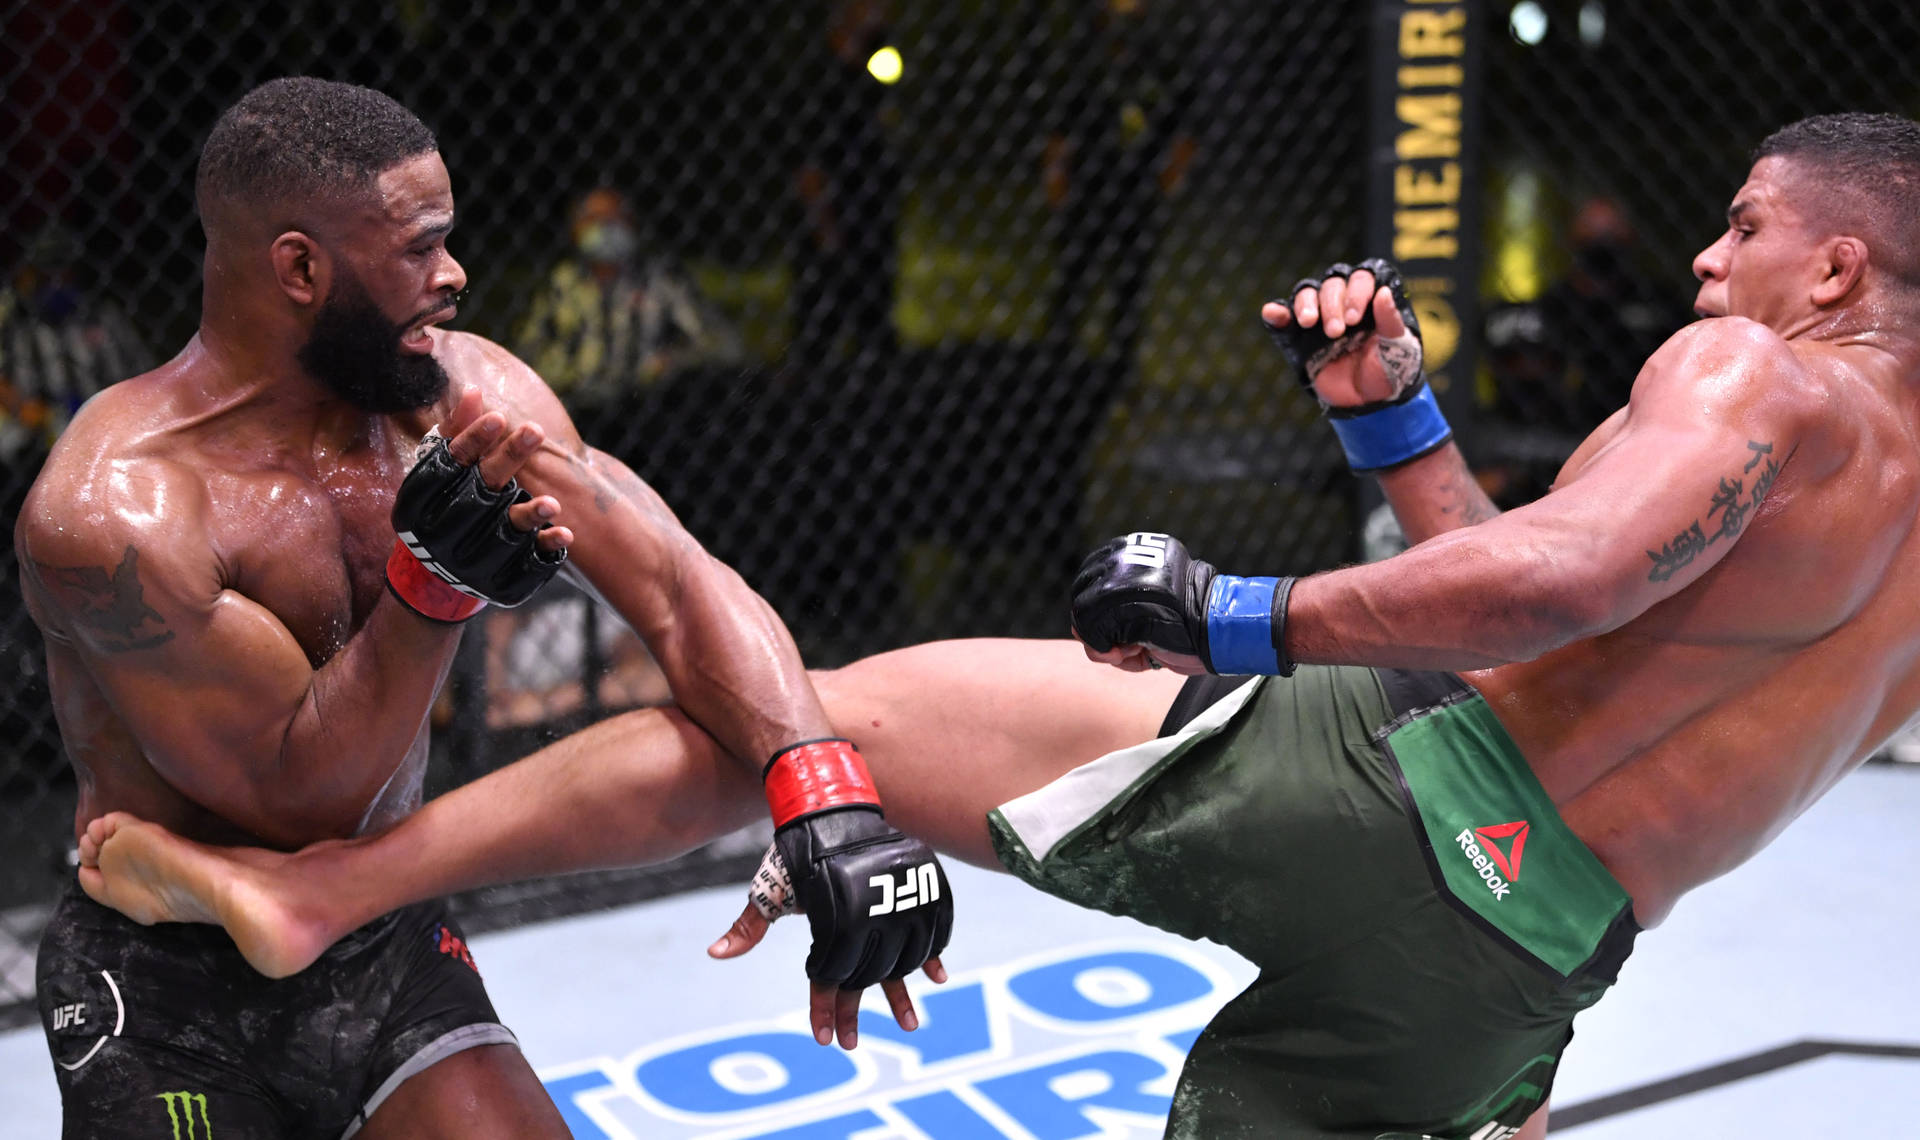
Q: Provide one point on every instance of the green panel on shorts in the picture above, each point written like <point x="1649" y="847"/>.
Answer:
<point x="1497" y="839"/>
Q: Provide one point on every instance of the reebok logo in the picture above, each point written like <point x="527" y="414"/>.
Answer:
<point x="918" y="885"/>
<point x="1498" y="869"/>
<point x="1145" y="548"/>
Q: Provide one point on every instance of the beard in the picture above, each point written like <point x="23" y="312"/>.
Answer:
<point x="354" y="350"/>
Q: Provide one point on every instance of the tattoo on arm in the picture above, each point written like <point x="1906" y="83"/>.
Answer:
<point x="1463" y="498"/>
<point x="610" y="484"/>
<point x="1733" y="501"/>
<point x="108" y="603"/>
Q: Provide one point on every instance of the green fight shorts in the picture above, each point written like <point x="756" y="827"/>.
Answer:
<point x="1424" y="923"/>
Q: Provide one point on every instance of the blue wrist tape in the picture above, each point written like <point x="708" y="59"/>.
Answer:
<point x="1394" y="434"/>
<point x="1240" y="626"/>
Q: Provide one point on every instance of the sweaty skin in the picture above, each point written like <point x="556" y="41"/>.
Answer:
<point x="1711" y="617"/>
<point x="205" y="550"/>
<point x="1708" y="621"/>
<point x="195" y="569"/>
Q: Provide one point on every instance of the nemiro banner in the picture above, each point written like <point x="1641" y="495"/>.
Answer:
<point x="1424" y="178"/>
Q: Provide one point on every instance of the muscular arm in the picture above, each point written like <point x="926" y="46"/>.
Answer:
<point x="1717" y="413"/>
<point x="224" y="701"/>
<point x="1438" y="493"/>
<point x="1434" y="494"/>
<point x="1430" y="495"/>
<point x="731" y="664"/>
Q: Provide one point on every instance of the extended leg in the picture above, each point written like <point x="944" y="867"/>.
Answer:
<point x="953" y="729"/>
<point x="949" y="729"/>
<point x="637" y="788"/>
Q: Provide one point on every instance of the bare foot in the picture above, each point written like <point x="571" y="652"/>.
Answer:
<point x="152" y="875"/>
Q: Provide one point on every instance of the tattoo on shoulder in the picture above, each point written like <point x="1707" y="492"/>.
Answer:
<point x="1733" y="501"/>
<point x="108" y="603"/>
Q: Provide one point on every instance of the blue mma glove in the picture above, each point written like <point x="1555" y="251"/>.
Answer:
<point x="1145" y="589"/>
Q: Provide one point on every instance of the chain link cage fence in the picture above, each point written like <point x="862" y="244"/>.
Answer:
<point x="904" y="305"/>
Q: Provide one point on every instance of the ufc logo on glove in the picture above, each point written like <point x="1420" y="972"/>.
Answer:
<point x="917" y="885"/>
<point x="1145" y="548"/>
<point x="419" y="550"/>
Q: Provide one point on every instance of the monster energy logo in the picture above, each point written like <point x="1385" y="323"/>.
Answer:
<point x="180" y="1109"/>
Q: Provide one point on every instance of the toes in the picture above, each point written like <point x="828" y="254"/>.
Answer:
<point x="95" y="884"/>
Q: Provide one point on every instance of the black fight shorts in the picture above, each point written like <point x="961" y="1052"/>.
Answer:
<point x="165" y="1033"/>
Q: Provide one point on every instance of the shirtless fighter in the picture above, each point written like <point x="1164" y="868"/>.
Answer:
<point x="241" y="648"/>
<point x="1519" y="742"/>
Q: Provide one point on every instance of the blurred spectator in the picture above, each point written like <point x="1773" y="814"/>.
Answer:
<point x="1564" y="362"/>
<point x="614" y="325"/>
<point x="615" y="318"/>
<point x="1115" y="154"/>
<point x="58" y="346"/>
<point x="849" y="185"/>
<point x="565" y="654"/>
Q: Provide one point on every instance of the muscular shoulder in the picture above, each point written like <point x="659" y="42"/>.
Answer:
<point x="85" y="497"/>
<point x="1728" y="365"/>
<point x="506" y="380"/>
<point x="1734" y="373"/>
<point x="98" y="527"/>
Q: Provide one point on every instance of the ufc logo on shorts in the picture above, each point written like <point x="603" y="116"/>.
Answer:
<point x="426" y="559"/>
<point x="1145" y="548"/>
<point x="65" y="1015"/>
<point x="917" y="885"/>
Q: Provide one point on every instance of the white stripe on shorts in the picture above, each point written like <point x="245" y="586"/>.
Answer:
<point x="1042" y="818"/>
<point x="439" y="1049"/>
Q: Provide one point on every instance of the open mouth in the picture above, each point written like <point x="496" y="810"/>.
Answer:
<point x="416" y="338"/>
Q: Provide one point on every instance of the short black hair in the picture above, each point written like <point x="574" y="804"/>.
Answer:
<point x="1868" y="170"/>
<point x="290" y="142"/>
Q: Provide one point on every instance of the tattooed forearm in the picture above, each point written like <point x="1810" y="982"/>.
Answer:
<point x="610" y="482"/>
<point x="1465" y="501"/>
<point x="106" y="603"/>
<point x="1733" y="501"/>
<point x="1441" y="495"/>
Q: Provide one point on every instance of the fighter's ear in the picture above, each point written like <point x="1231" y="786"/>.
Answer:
<point x="301" y="267"/>
<point x="1846" y="264"/>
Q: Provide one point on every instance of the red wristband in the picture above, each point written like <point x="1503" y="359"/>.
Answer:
<point x="425" y="592"/>
<point x="815" y="776"/>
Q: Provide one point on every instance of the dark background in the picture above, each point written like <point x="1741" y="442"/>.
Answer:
<point x="945" y="483"/>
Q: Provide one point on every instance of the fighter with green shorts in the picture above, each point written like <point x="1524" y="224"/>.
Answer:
<point x="1427" y="836"/>
<point x="1425" y="925"/>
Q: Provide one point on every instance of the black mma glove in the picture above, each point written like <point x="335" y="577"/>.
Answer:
<point x="456" y="550"/>
<point x="1385" y="433"/>
<point x="1145" y="589"/>
<point x="876" y="900"/>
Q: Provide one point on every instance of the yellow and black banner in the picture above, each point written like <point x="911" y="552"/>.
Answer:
<point x="1424" y="183"/>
